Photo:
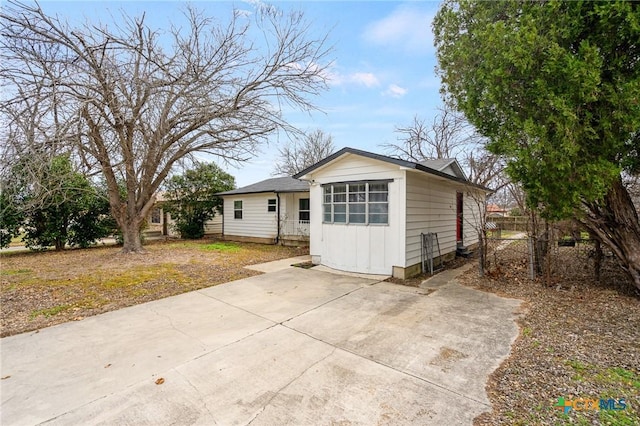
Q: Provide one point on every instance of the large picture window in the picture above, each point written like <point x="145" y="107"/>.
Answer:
<point x="356" y="202"/>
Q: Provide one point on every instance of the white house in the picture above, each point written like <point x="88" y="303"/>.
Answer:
<point x="271" y="211"/>
<point x="369" y="210"/>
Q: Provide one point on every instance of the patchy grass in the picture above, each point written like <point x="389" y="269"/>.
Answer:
<point x="14" y="271"/>
<point x="221" y="246"/>
<point x="55" y="310"/>
<point x="42" y="289"/>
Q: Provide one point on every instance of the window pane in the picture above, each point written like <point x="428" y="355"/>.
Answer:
<point x="237" y="214"/>
<point x="340" y="208"/>
<point x="271" y="205"/>
<point x="378" y="196"/>
<point x="304" y="204"/>
<point x="379" y="208"/>
<point x="378" y="218"/>
<point x="339" y="198"/>
<point x="378" y="187"/>
<point x="358" y="197"/>
<point x="340" y="217"/>
<point x="327" y="213"/>
<point x="155" y="215"/>
<point x="237" y="205"/>
<point x="339" y="189"/>
<point x="356" y="217"/>
<point x="303" y="216"/>
<point x="357" y="208"/>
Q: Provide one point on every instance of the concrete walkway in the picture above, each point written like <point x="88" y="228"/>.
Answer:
<point x="292" y="347"/>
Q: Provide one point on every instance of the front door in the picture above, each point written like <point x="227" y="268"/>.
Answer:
<point x="459" y="217"/>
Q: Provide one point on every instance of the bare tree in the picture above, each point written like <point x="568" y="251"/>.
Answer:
<point x="450" y="135"/>
<point x="485" y="168"/>
<point x="443" y="138"/>
<point x="134" y="100"/>
<point x="297" y="156"/>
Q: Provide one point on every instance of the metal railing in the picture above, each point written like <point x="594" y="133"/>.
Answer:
<point x="294" y="227"/>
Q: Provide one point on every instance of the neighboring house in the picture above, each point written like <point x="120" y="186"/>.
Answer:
<point x="493" y="210"/>
<point x="272" y="211"/>
<point x="368" y="211"/>
<point x="159" y="221"/>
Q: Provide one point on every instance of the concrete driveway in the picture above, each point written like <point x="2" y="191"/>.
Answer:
<point x="290" y="347"/>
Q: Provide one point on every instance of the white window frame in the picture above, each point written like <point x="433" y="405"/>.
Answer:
<point x="329" y="196"/>
<point x="272" y="205"/>
<point x="301" y="210"/>
<point x="237" y="210"/>
<point x="152" y="219"/>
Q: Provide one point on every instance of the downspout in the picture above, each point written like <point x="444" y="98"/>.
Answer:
<point x="278" y="217"/>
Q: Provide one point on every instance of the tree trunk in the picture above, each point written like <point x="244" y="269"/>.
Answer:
<point x="597" y="259"/>
<point x="131" y="238"/>
<point x="615" y="221"/>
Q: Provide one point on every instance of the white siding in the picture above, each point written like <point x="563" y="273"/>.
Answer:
<point x="256" y="220"/>
<point x="431" y="207"/>
<point x="290" y="204"/>
<point x="214" y="226"/>
<point x="372" y="249"/>
<point x="474" y="208"/>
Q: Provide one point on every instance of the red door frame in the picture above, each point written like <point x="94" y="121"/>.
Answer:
<point x="459" y="218"/>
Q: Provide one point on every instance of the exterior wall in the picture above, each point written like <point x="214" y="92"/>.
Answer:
<point x="258" y="224"/>
<point x="256" y="221"/>
<point x="293" y="230"/>
<point x="431" y="207"/>
<point x="211" y="227"/>
<point x="373" y="249"/>
<point x="214" y="226"/>
<point x="474" y="207"/>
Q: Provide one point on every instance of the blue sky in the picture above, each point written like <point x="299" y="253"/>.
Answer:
<point x="382" y="72"/>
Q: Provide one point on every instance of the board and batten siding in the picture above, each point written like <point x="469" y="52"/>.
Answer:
<point x="371" y="249"/>
<point x="256" y="220"/>
<point x="431" y="207"/>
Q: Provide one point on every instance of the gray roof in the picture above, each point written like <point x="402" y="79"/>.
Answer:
<point x="279" y="184"/>
<point x="441" y="164"/>
<point x="402" y="163"/>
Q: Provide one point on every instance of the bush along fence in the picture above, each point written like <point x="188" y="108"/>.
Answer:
<point x="546" y="249"/>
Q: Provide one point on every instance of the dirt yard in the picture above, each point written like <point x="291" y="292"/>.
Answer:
<point x="42" y="289"/>
<point x="578" y="339"/>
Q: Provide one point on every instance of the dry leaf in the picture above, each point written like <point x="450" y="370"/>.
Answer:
<point x="160" y="381"/>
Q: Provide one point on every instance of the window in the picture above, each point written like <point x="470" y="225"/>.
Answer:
<point x="303" y="210"/>
<point x="357" y="202"/>
<point x="237" y="209"/>
<point x="271" y="205"/>
<point x="155" y="215"/>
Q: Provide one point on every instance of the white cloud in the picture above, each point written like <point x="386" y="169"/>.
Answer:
<point x="407" y="28"/>
<point x="395" y="91"/>
<point x="364" y="78"/>
<point x="336" y="78"/>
